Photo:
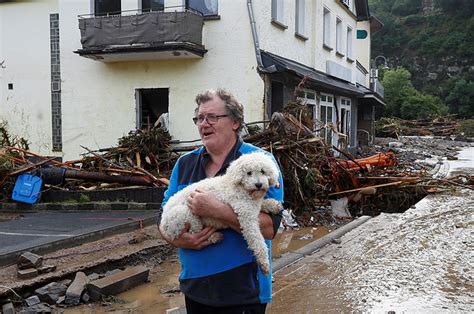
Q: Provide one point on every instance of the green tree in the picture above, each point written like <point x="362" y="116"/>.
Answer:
<point x="404" y="101"/>
<point x="461" y="97"/>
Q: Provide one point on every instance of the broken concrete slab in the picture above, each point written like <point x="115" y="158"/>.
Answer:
<point x="33" y="300"/>
<point x="51" y="292"/>
<point x="116" y="283"/>
<point x="176" y="310"/>
<point x="8" y="308"/>
<point x="46" y="269"/>
<point x="27" y="273"/>
<point x="37" y="308"/>
<point x="75" y="290"/>
<point x="29" y="260"/>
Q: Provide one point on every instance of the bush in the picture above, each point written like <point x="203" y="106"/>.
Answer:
<point x="467" y="127"/>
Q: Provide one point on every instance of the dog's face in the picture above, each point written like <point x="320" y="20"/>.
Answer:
<point x="255" y="172"/>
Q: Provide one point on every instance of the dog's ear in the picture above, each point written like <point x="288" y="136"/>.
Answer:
<point x="235" y="171"/>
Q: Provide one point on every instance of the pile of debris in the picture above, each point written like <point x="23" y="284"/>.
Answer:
<point x="440" y="126"/>
<point x="143" y="158"/>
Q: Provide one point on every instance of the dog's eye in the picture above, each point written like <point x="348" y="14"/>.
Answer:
<point x="249" y="173"/>
<point x="263" y="172"/>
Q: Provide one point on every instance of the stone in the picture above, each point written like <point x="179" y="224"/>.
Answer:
<point x="29" y="260"/>
<point x="336" y="241"/>
<point x="8" y="308"/>
<point x="27" y="273"/>
<point x="51" y="292"/>
<point x="93" y="276"/>
<point x="170" y="289"/>
<point x="37" y="308"/>
<point x="176" y="310"/>
<point x="46" y="269"/>
<point x="85" y="297"/>
<point x="74" y="291"/>
<point x="33" y="300"/>
<point x="116" y="283"/>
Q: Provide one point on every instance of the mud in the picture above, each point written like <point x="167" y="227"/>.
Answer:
<point x="417" y="261"/>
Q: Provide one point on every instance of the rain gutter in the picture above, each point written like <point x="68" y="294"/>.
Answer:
<point x="256" y="43"/>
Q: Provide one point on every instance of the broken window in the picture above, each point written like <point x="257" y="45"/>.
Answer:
<point x="151" y="104"/>
<point x="206" y="7"/>
<point x="153" y="5"/>
<point x="107" y="7"/>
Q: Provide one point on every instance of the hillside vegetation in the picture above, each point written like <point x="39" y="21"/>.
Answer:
<point x="434" y="42"/>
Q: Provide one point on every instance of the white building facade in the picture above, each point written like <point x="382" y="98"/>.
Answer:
<point x="86" y="72"/>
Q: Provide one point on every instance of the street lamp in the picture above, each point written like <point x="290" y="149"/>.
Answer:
<point x="374" y="71"/>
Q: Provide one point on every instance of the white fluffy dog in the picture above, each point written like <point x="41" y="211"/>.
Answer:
<point x="242" y="187"/>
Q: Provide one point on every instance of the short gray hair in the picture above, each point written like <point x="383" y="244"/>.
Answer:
<point x="233" y="107"/>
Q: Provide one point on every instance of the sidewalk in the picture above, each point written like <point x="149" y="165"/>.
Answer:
<point x="47" y="231"/>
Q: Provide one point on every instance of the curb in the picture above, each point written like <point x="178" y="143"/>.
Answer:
<point x="291" y="257"/>
<point x="15" y="207"/>
<point x="11" y="257"/>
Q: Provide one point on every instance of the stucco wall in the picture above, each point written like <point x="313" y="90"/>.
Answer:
<point x="25" y="47"/>
<point x="362" y="47"/>
<point x="99" y="99"/>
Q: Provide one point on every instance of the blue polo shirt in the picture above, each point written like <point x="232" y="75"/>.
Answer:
<point x="225" y="273"/>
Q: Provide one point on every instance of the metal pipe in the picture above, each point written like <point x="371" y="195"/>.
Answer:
<point x="254" y="35"/>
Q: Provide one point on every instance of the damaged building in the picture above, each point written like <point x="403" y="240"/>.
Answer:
<point x="85" y="73"/>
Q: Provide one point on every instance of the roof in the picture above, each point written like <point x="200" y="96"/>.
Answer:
<point x="276" y="64"/>
<point x="370" y="96"/>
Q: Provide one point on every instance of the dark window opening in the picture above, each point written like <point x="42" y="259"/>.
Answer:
<point x="206" y="7"/>
<point x="153" y="5"/>
<point x="277" y="97"/>
<point x="10" y="85"/>
<point x="151" y="104"/>
<point x="107" y="7"/>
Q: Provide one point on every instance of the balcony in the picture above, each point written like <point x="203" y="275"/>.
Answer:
<point x="146" y="36"/>
<point x="377" y="87"/>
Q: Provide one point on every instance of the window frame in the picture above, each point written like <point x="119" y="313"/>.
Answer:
<point x="339" y="38"/>
<point x="349" y="44"/>
<point x="278" y="14"/>
<point x="95" y="4"/>
<point x="204" y="14"/>
<point x="300" y="19"/>
<point x="327" y="28"/>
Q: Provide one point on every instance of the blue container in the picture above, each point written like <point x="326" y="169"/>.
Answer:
<point x="27" y="189"/>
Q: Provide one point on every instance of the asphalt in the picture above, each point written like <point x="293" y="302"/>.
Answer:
<point x="48" y="231"/>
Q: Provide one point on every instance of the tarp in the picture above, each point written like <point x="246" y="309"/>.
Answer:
<point x="145" y="28"/>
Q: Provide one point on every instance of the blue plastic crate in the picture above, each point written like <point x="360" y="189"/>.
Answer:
<point x="27" y="189"/>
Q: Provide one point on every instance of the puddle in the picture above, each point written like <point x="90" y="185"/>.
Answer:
<point x="292" y="240"/>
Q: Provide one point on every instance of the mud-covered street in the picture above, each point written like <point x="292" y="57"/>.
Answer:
<point x="417" y="261"/>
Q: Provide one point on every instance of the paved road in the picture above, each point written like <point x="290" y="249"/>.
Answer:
<point x="47" y="231"/>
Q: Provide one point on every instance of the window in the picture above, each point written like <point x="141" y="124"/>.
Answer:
<point x="151" y="104"/>
<point x="349" y="44"/>
<point x="327" y="28"/>
<point x="153" y="5"/>
<point x="345" y="116"/>
<point x="326" y="117"/>
<point x="277" y="12"/>
<point x="206" y="7"/>
<point x="300" y="17"/>
<point x="339" y="42"/>
<point x="106" y="7"/>
<point x="308" y="98"/>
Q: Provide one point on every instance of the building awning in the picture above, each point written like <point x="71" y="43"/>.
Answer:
<point x="276" y="64"/>
<point x="370" y="97"/>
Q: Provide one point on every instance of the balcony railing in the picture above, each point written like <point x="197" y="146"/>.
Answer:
<point x="157" y="34"/>
<point x="378" y="88"/>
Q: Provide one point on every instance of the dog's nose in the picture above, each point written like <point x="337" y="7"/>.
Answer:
<point x="258" y="185"/>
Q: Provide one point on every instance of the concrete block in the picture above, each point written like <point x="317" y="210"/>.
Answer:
<point x="29" y="260"/>
<point x="8" y="308"/>
<point x="46" y="269"/>
<point x="27" y="273"/>
<point x="51" y="292"/>
<point x="116" y="283"/>
<point x="74" y="291"/>
<point x="33" y="300"/>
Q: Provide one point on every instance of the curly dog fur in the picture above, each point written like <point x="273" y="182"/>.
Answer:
<point x="243" y="188"/>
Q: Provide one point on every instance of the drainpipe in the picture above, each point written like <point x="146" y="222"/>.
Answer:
<point x="255" y="35"/>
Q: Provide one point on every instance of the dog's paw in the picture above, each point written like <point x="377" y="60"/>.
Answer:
<point x="265" y="268"/>
<point x="216" y="237"/>
<point x="271" y="205"/>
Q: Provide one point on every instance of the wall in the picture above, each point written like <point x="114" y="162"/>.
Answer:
<point x="362" y="48"/>
<point x="99" y="99"/>
<point x="25" y="47"/>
